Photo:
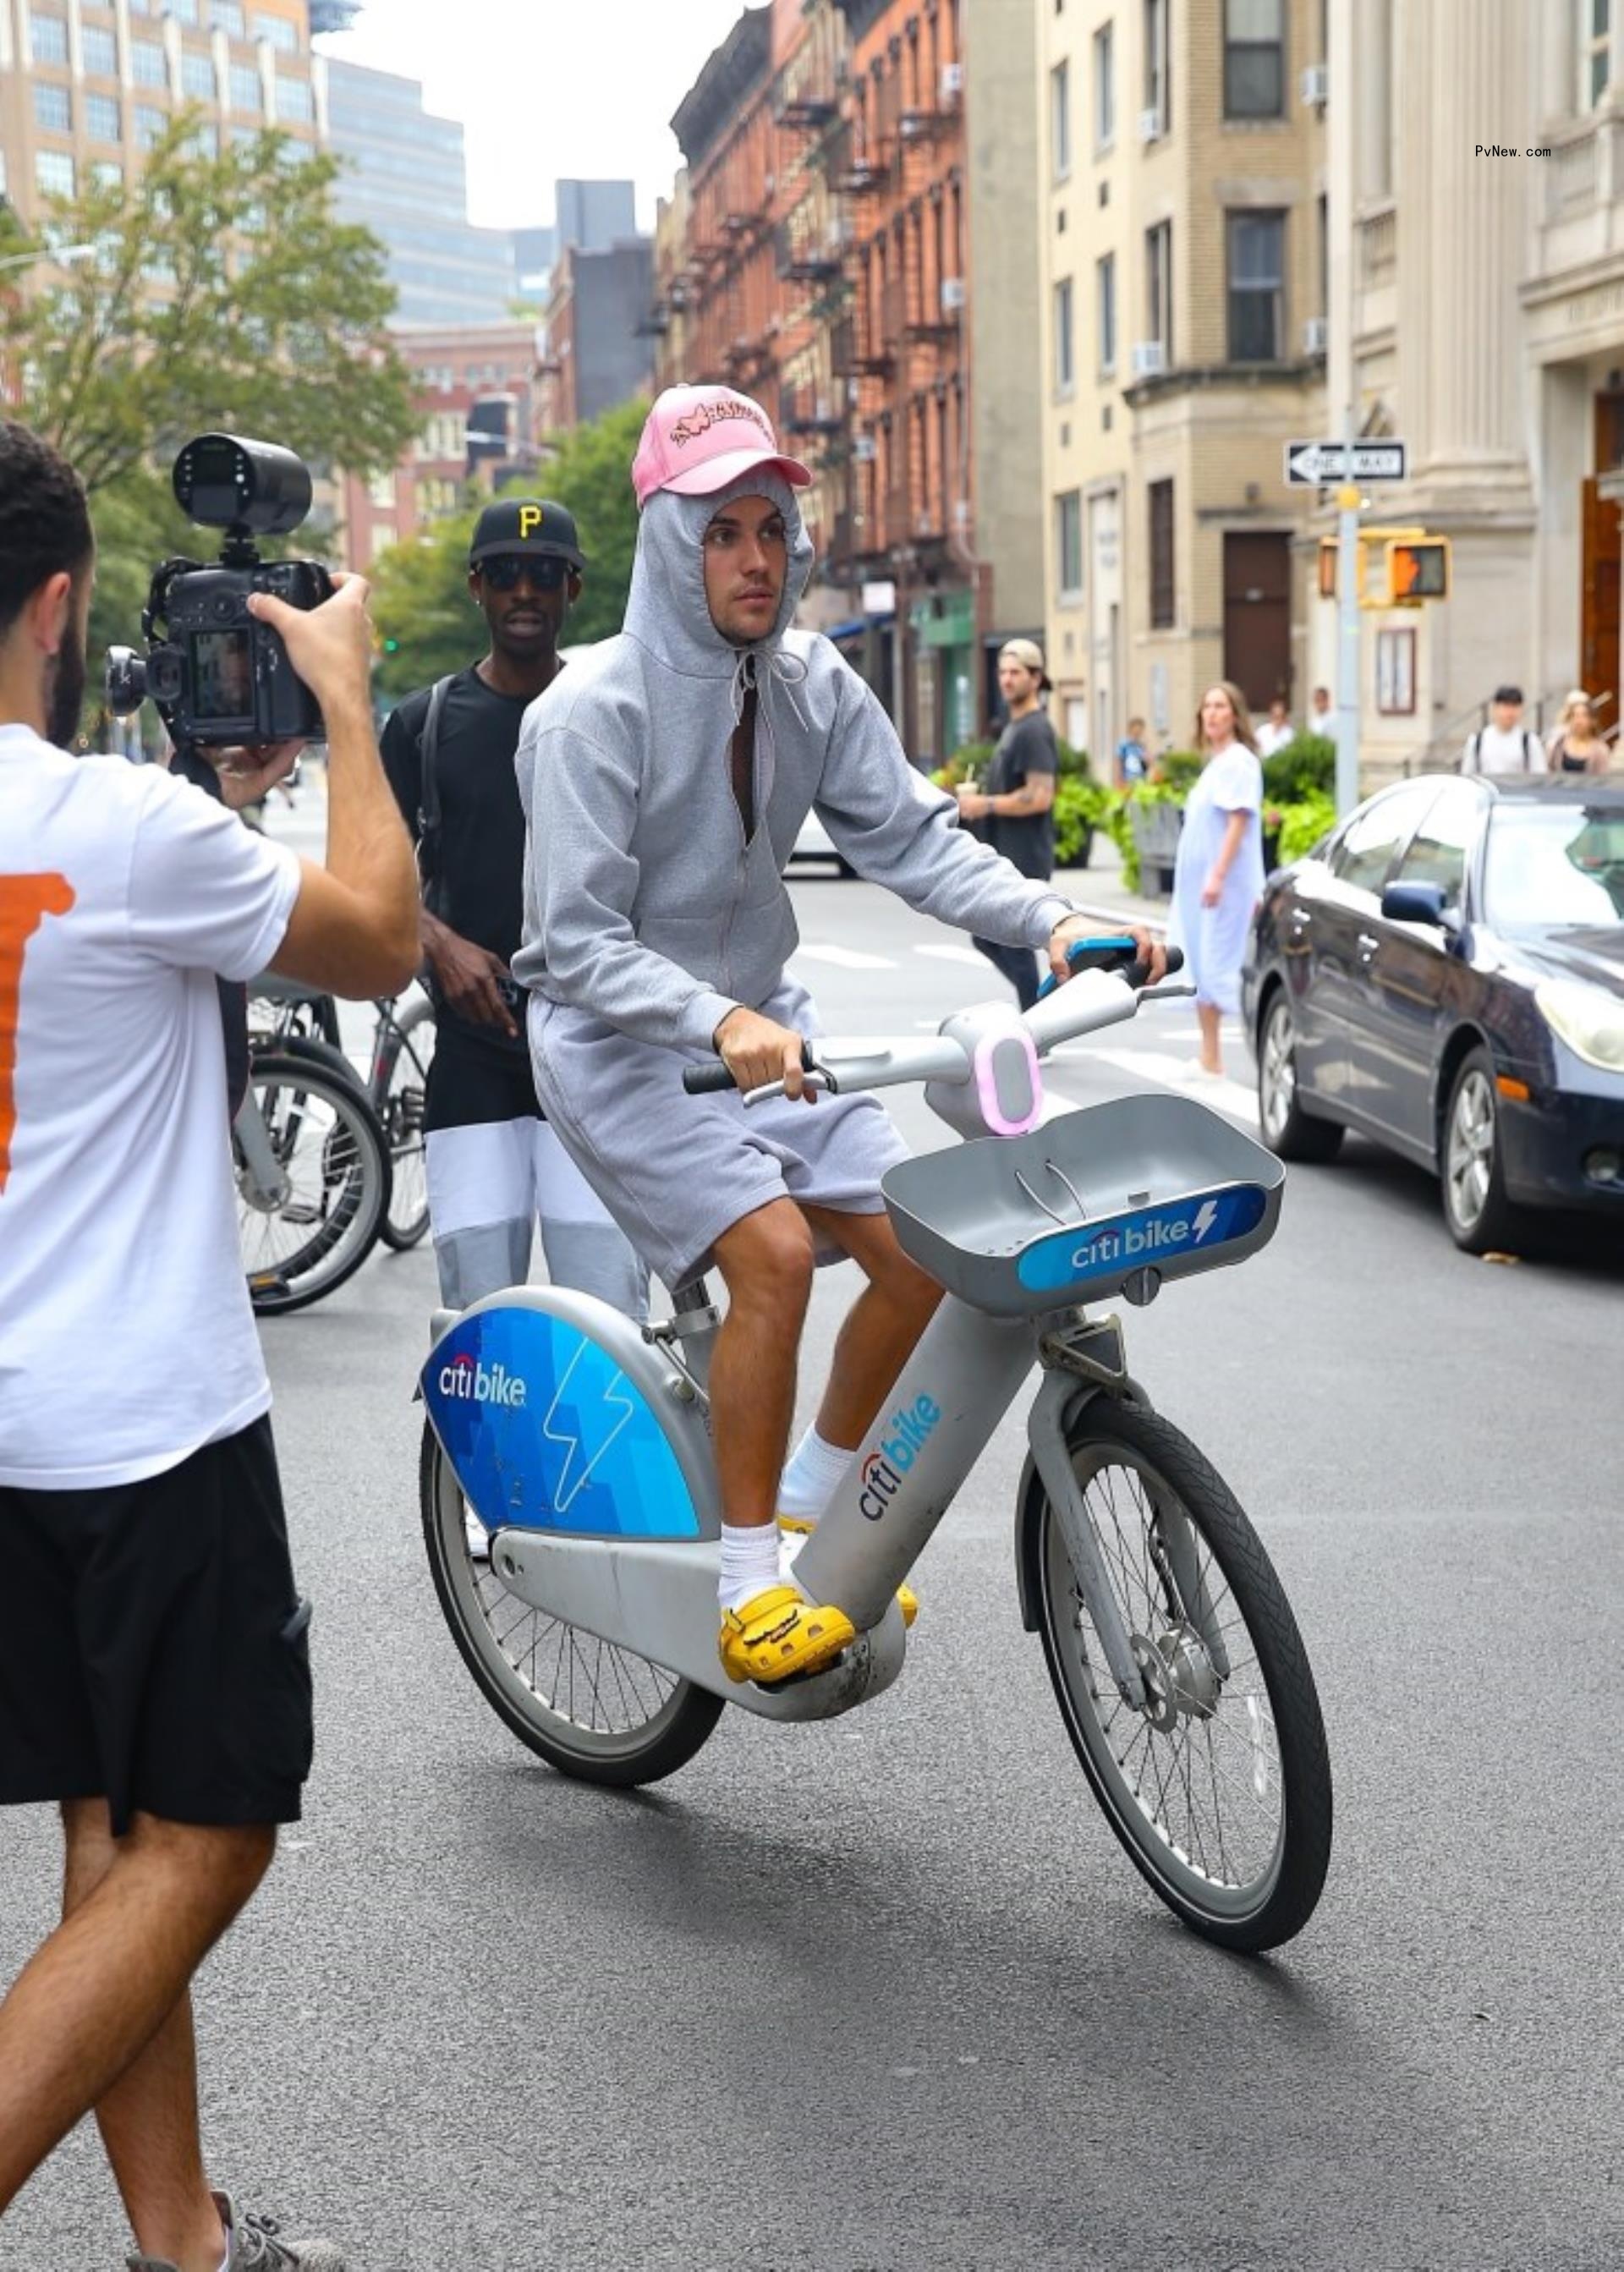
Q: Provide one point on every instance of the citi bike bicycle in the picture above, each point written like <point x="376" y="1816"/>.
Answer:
<point x="582" y="1444"/>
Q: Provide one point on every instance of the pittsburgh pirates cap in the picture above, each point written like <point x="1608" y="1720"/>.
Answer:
<point x="535" y="525"/>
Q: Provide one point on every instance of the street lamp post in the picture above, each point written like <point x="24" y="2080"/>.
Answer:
<point x="40" y="258"/>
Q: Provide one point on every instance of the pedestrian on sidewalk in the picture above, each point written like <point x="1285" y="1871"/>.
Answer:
<point x="1506" y="745"/>
<point x="1576" y="748"/>
<point x="154" y="1666"/>
<point x="494" y="1167"/>
<point x="1219" y="871"/>
<point x="1320" y="720"/>
<point x="1132" y="760"/>
<point x="1277" y="729"/>
<point x="1017" y="807"/>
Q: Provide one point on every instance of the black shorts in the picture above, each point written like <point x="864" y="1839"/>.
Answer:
<point x="475" y="1079"/>
<point x="153" y="1649"/>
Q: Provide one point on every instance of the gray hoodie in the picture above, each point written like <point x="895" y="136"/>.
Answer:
<point x="644" y="904"/>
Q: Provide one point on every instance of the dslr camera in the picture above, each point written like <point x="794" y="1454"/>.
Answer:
<point x="215" y="673"/>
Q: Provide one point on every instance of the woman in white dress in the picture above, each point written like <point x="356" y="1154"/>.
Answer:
<point x="1219" y="873"/>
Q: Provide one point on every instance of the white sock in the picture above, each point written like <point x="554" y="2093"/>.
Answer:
<point x="749" y="1562"/>
<point x="811" y="1478"/>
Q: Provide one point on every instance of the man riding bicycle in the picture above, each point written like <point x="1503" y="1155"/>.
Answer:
<point x="665" y="779"/>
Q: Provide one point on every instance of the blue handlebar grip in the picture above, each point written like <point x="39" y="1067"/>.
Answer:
<point x="1114" y="951"/>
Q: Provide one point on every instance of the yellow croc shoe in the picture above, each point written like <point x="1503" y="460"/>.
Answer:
<point x="778" y="1632"/>
<point x="798" y="1527"/>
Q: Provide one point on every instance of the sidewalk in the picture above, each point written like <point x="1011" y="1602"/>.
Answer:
<point x="1098" y="889"/>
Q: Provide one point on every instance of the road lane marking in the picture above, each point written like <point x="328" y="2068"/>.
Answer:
<point x="847" y="957"/>
<point x="954" y="954"/>
<point x="1230" y="1098"/>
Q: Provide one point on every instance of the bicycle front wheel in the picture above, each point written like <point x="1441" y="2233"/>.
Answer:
<point x="1219" y="1785"/>
<point x="330" y="1151"/>
<point x="587" y="1708"/>
<point x="400" y="1075"/>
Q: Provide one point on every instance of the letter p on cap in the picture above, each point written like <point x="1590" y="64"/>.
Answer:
<point x="529" y="519"/>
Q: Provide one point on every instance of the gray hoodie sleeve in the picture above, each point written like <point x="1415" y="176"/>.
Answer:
<point x="897" y="830"/>
<point x="584" y="880"/>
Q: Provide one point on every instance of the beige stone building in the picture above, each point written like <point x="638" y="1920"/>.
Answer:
<point x="1478" y="221"/>
<point x="1184" y="226"/>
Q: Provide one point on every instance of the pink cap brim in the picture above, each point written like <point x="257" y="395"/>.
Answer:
<point x="715" y="472"/>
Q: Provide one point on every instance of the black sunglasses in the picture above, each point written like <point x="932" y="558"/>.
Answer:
<point x="508" y="570"/>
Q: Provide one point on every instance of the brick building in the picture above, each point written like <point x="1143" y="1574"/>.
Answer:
<point x="478" y="401"/>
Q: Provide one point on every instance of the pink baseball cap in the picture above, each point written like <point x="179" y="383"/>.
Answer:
<point x="697" y="440"/>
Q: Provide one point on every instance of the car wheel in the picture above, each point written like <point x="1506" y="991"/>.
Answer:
<point x="1475" y="1206"/>
<point x="1288" y="1130"/>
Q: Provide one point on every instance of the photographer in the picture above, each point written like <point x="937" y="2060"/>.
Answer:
<point x="154" y="1675"/>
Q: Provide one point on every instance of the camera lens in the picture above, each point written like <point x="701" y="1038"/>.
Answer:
<point x="226" y="481"/>
<point x="125" y="681"/>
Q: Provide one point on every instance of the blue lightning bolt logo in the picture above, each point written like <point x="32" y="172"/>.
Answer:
<point x="596" y="1427"/>
<point x="1205" y="1219"/>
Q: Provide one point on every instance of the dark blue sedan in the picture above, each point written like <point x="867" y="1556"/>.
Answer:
<point x="1445" y="973"/>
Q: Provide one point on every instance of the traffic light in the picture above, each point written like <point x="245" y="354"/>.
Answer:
<point x="1328" y="551"/>
<point x="1418" y="572"/>
<point x="392" y="646"/>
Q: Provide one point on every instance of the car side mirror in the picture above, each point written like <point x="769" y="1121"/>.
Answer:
<point x="1417" y="903"/>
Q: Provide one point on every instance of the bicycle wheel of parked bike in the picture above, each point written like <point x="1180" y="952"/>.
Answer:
<point x="329" y="1147"/>
<point x="1219" y="1785"/>
<point x="400" y="1076"/>
<point x="590" y="1709"/>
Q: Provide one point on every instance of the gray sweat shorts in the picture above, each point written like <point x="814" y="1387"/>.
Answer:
<point x="676" y="1170"/>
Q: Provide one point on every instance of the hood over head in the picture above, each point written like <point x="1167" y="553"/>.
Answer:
<point x="666" y="610"/>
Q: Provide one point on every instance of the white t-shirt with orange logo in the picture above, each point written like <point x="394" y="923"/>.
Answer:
<point x="126" y="1337"/>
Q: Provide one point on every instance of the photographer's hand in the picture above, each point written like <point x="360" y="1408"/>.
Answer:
<point x="467" y="976"/>
<point x="330" y="647"/>
<point x="246" y="775"/>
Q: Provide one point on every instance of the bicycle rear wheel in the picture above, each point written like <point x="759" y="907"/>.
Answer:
<point x="328" y="1144"/>
<point x="590" y="1709"/>
<point x="1219" y="1787"/>
<point x="400" y="1077"/>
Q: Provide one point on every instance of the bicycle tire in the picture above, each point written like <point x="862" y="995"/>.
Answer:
<point x="472" y="1597"/>
<point x="400" y="1110"/>
<point x="353" y="1182"/>
<point x="1110" y="1435"/>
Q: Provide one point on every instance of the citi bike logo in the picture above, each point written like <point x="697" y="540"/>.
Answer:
<point x="1126" y="1243"/>
<point x="480" y="1384"/>
<point x="885" y="1467"/>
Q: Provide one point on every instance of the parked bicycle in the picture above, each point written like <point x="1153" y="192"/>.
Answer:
<point x="581" y="1443"/>
<point x="328" y="1163"/>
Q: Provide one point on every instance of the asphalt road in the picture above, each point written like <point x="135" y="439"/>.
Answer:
<point x="883" y="1994"/>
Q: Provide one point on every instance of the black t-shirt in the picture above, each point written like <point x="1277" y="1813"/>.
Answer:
<point x="477" y="1074"/>
<point x="1027" y="746"/>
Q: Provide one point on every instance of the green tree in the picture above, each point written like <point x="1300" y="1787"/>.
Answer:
<point x="419" y="600"/>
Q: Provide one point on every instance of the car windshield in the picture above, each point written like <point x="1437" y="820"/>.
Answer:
<point x="1551" y="868"/>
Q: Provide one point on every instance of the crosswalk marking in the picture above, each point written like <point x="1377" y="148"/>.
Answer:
<point x="1229" y="1097"/>
<point x="847" y="958"/>
<point x="954" y="954"/>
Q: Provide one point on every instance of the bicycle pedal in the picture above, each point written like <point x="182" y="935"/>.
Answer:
<point x="300" y="1211"/>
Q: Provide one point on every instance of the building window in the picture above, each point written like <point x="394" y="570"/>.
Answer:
<point x="107" y="173"/>
<point x="227" y="15"/>
<point x="1160" y="497"/>
<point x="380" y="491"/>
<point x="1322" y="224"/>
<point x="1105" y="311"/>
<point x="1065" y="357"/>
<point x="294" y="100"/>
<point x="101" y="119"/>
<point x="147" y="65"/>
<point x="1159" y="75"/>
<point x="1256" y="282"/>
<point x="198" y="76"/>
<point x="53" y="173"/>
<point x="149" y="124"/>
<point x="1068" y="544"/>
<point x="53" y="106"/>
<point x="1060" y="120"/>
<point x="1595" y="49"/>
<point x="1159" y="287"/>
<point x="1254" y="58"/>
<point x="47" y="36"/>
<point x="247" y="94"/>
<point x="184" y="12"/>
<point x="1104" y="90"/>
<point x="281" y="33"/>
<point x="99" y="50"/>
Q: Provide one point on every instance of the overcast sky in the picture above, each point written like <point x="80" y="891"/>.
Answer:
<point x="547" y="88"/>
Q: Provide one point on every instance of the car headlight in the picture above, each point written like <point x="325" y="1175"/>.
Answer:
<point x="1589" y="1021"/>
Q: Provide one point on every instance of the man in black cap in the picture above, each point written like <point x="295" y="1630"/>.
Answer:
<point x="494" y="1168"/>
<point x="1016" y="809"/>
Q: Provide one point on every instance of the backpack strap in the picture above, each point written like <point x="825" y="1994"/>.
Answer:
<point x="429" y="790"/>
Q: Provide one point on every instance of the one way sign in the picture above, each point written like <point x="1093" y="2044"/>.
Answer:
<point x="1311" y="465"/>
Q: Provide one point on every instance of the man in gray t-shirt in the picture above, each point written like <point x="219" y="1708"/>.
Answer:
<point x="1016" y="809"/>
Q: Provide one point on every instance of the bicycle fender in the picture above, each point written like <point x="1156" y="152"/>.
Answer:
<point x="557" y="1415"/>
